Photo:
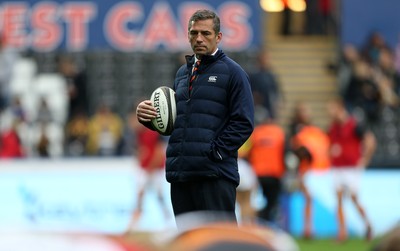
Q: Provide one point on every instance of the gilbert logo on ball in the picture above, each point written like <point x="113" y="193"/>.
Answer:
<point x="163" y="100"/>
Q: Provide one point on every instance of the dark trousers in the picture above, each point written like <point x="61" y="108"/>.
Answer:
<point x="271" y="188"/>
<point x="215" y="195"/>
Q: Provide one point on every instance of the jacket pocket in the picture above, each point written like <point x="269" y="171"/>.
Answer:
<point x="213" y="154"/>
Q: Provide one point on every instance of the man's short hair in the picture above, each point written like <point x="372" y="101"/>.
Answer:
<point x="204" y="15"/>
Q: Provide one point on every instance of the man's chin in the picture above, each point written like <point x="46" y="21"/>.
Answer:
<point x="200" y="51"/>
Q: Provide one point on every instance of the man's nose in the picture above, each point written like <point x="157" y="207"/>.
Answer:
<point x="199" y="38"/>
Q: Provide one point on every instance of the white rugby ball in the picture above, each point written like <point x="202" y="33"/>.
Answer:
<point x="163" y="99"/>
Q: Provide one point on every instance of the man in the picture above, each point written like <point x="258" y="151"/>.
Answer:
<point x="311" y="146"/>
<point x="266" y="156"/>
<point x="351" y="150"/>
<point x="265" y="87"/>
<point x="76" y="85"/>
<point x="214" y="118"/>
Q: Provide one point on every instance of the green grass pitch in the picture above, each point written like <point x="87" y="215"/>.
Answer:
<point x="333" y="245"/>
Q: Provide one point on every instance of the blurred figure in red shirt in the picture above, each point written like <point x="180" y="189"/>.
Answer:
<point x="10" y="144"/>
<point x="352" y="147"/>
<point x="150" y="153"/>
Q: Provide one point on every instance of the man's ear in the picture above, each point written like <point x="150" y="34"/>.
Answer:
<point x="219" y="37"/>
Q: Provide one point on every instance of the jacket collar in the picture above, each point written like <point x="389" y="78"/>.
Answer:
<point x="206" y="60"/>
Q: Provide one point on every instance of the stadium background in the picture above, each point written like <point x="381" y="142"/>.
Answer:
<point x="126" y="51"/>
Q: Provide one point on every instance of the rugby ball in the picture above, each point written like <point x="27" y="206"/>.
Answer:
<point x="163" y="99"/>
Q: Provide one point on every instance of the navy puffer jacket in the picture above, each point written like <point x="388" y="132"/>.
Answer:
<point x="211" y="123"/>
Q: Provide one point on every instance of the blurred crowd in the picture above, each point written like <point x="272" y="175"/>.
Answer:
<point x="369" y="77"/>
<point x="368" y="84"/>
<point x="46" y="114"/>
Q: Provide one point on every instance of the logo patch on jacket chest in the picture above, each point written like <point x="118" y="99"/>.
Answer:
<point x="212" y="79"/>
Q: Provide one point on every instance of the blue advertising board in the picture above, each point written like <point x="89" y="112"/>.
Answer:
<point x="122" y="25"/>
<point x="76" y="196"/>
<point x="99" y="195"/>
<point x="379" y="193"/>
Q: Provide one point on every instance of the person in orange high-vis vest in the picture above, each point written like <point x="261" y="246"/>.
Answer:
<point x="266" y="156"/>
<point x="316" y="142"/>
<point x="311" y="145"/>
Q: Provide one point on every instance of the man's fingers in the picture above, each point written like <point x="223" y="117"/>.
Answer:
<point x="144" y="120"/>
<point x="145" y="111"/>
<point x="148" y="113"/>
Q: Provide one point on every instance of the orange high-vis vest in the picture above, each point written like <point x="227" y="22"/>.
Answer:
<point x="267" y="151"/>
<point x="316" y="142"/>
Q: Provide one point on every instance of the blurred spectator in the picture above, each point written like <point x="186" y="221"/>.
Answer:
<point x="105" y="132"/>
<point x="17" y="110"/>
<point x="46" y="139"/>
<point x="77" y="134"/>
<point x="266" y="156"/>
<point x="386" y="64"/>
<point x="13" y="118"/>
<point x="344" y="68"/>
<point x="10" y="145"/>
<point x="8" y="57"/>
<point x="43" y="119"/>
<point x="76" y="85"/>
<point x="264" y="85"/>
<point x="362" y="91"/>
<point x="248" y="184"/>
<point x="42" y="146"/>
<point x="311" y="146"/>
<point x="301" y="117"/>
<point x="327" y="9"/>
<point x="373" y="47"/>
<point x="388" y="78"/>
<point x="351" y="149"/>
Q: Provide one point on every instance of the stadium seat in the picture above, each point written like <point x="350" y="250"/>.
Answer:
<point x="53" y="88"/>
<point x="55" y="134"/>
<point x="393" y="148"/>
<point x="30" y="103"/>
<point x="24" y="68"/>
<point x="388" y="115"/>
<point x="23" y="73"/>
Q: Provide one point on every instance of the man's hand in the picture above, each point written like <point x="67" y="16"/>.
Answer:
<point x="145" y="111"/>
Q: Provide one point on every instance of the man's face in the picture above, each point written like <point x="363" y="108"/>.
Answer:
<point x="202" y="37"/>
<point x="333" y="110"/>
